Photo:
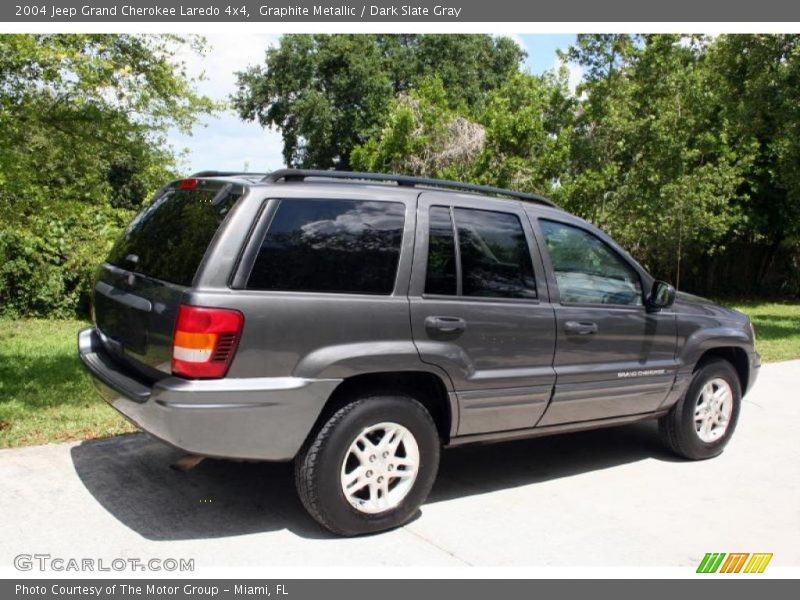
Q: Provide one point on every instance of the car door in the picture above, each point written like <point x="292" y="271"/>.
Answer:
<point x="613" y="356"/>
<point x="480" y="310"/>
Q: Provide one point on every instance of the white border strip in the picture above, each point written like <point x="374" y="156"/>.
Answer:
<point x="278" y="573"/>
<point x="426" y="27"/>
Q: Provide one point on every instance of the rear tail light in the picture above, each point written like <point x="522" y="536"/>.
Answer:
<point x="205" y="341"/>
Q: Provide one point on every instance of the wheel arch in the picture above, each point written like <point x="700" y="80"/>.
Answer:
<point x="430" y="389"/>
<point x="735" y="355"/>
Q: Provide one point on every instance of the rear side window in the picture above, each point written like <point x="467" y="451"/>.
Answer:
<point x="344" y="246"/>
<point x="493" y="257"/>
<point x="167" y="240"/>
<point x="495" y="260"/>
<point x="440" y="276"/>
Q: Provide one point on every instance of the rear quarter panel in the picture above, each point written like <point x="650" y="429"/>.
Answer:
<point x="311" y="335"/>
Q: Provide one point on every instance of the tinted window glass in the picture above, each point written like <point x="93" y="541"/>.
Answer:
<point x="344" y="246"/>
<point x="167" y="240"/>
<point x="587" y="270"/>
<point x="440" y="277"/>
<point x="495" y="260"/>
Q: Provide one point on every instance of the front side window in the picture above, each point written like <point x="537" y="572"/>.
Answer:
<point x="587" y="270"/>
<point x="495" y="261"/>
<point x="343" y="246"/>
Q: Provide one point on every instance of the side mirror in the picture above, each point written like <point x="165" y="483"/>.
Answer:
<point x="662" y="295"/>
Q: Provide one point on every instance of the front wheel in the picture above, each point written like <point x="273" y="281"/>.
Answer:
<point x="370" y="466"/>
<point x="701" y="424"/>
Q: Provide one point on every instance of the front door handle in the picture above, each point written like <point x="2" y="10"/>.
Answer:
<point x="580" y="327"/>
<point x="445" y="324"/>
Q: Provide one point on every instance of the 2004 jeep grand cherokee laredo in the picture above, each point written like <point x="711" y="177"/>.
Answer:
<point x="355" y="323"/>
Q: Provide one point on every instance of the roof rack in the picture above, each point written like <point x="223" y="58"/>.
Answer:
<point x="403" y="180"/>
<point x="222" y="173"/>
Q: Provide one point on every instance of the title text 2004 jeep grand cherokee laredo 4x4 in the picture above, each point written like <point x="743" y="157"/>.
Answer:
<point x="356" y="322"/>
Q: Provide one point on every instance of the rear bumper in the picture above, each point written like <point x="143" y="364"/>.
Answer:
<point x="265" y="418"/>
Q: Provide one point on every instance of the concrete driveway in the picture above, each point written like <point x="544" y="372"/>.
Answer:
<point x="611" y="497"/>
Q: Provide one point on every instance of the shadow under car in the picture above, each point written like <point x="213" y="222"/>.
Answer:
<point x="130" y="476"/>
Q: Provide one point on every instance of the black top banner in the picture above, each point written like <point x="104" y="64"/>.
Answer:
<point x="450" y="11"/>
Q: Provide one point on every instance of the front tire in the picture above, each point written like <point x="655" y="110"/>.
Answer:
<point x="370" y="466"/>
<point x="701" y="424"/>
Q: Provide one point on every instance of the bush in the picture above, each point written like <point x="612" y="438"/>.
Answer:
<point x="47" y="267"/>
<point x="83" y="142"/>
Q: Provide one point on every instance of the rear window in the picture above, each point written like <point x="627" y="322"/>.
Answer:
<point x="344" y="246"/>
<point x="167" y="240"/>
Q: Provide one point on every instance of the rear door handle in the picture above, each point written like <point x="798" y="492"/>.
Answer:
<point x="445" y="324"/>
<point x="580" y="327"/>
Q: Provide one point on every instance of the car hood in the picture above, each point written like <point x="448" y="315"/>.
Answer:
<point x="689" y="304"/>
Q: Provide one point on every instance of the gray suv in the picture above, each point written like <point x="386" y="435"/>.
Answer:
<point x="356" y="323"/>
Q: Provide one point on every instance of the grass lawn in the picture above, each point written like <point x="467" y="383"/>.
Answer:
<point x="46" y="397"/>
<point x="777" y="328"/>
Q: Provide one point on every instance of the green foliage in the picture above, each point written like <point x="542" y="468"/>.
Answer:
<point x="322" y="92"/>
<point x="46" y="266"/>
<point x="651" y="161"/>
<point x="328" y="94"/>
<point x="758" y="80"/>
<point x="468" y="65"/>
<point x="83" y="121"/>
<point x="528" y="122"/>
<point x="423" y="136"/>
<point x="686" y="149"/>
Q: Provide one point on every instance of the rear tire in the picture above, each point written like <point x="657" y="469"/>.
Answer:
<point x="370" y="466"/>
<point x="701" y="424"/>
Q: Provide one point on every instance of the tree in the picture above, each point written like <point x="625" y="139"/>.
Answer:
<point x="328" y="94"/>
<point x="758" y="78"/>
<point x="83" y="121"/>
<point x="652" y="162"/>
<point x="685" y="148"/>
<point x="78" y="94"/>
<point x="528" y="122"/>
<point x="469" y="66"/>
<point x="422" y="137"/>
